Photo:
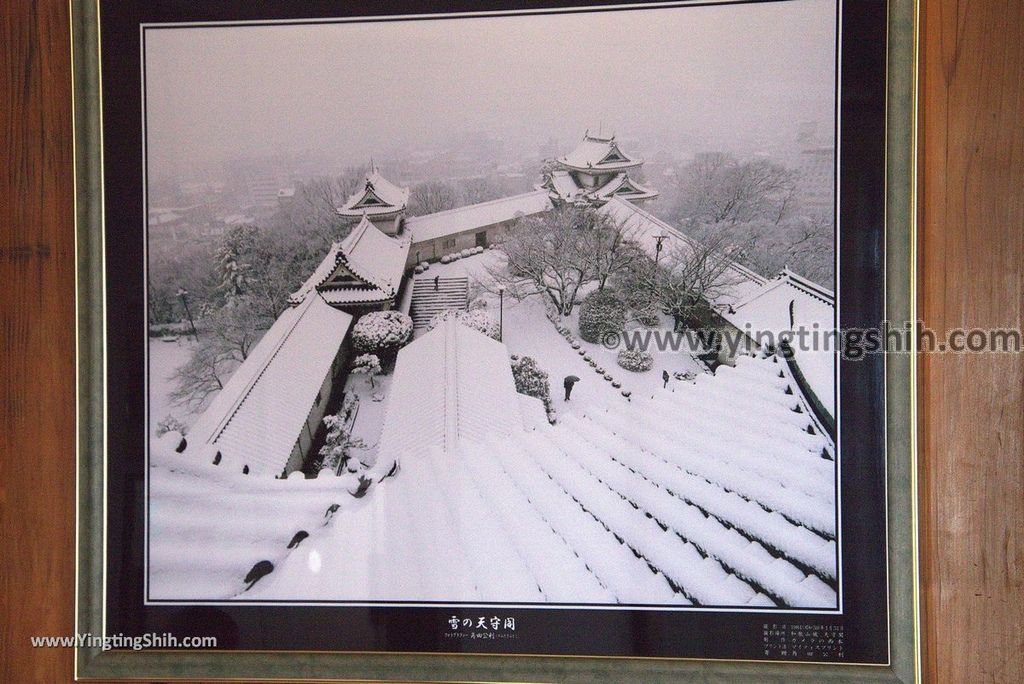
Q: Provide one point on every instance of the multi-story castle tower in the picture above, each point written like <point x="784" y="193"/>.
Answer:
<point x="594" y="172"/>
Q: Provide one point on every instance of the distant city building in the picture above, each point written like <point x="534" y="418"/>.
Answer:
<point x="594" y="172"/>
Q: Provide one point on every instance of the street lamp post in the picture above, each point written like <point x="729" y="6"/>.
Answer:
<point x="501" y="313"/>
<point x="657" y="255"/>
<point x="183" y="293"/>
<point x="657" y="247"/>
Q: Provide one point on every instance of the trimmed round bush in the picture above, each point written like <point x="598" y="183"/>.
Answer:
<point x="446" y="259"/>
<point x="635" y="360"/>
<point x="381" y="333"/>
<point x="531" y="380"/>
<point x="418" y="269"/>
<point x="601" y="312"/>
<point x="477" y="320"/>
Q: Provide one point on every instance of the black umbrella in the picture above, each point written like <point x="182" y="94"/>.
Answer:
<point x="572" y="378"/>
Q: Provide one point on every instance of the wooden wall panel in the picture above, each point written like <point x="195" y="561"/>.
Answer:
<point x="971" y="263"/>
<point x="971" y="412"/>
<point x="37" y="329"/>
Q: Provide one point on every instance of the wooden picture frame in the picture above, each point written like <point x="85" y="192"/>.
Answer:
<point x="94" y="513"/>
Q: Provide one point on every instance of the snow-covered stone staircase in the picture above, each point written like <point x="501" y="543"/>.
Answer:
<point x="451" y="293"/>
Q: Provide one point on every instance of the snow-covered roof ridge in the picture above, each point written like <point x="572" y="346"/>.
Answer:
<point x="598" y="154"/>
<point x="789" y="302"/>
<point x="809" y="286"/>
<point x="209" y="528"/>
<point x="373" y="256"/>
<point x="377" y="196"/>
<point x="649" y="226"/>
<point x="450" y="384"/>
<point x="636" y="191"/>
<point x="257" y="417"/>
<point x="320" y="274"/>
<point x="460" y="219"/>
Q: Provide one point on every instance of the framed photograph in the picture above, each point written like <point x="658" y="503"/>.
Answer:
<point x="514" y="341"/>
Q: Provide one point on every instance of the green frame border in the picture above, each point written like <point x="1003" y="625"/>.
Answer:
<point x="904" y="615"/>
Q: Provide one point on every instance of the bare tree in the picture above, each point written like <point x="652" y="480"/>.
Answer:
<point x="803" y="244"/>
<point x="200" y="378"/>
<point x="431" y="197"/>
<point x="695" y="273"/>
<point x="611" y="246"/>
<point x="480" y="189"/>
<point x="234" y="329"/>
<point x="718" y="188"/>
<point x="547" y="256"/>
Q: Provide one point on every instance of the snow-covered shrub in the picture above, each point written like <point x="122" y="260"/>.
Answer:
<point x="627" y="394"/>
<point x="170" y="423"/>
<point x="368" y="365"/>
<point x="418" y="269"/>
<point x="685" y="376"/>
<point x="582" y="352"/>
<point x="608" y="377"/>
<point x="466" y="252"/>
<point x="381" y="333"/>
<point x="477" y="320"/>
<point x="425" y="265"/>
<point x="601" y="312"/>
<point x="616" y="384"/>
<point x="647" y="317"/>
<point x="635" y="360"/>
<point x="477" y="304"/>
<point x="335" y="451"/>
<point x="446" y="259"/>
<point x="531" y="380"/>
<point x="576" y="345"/>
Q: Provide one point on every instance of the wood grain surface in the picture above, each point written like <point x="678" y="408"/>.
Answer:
<point x="37" y="327"/>
<point x="971" y="264"/>
<point x="971" y="274"/>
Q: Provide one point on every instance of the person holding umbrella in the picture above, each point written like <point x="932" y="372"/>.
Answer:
<point x="568" y="383"/>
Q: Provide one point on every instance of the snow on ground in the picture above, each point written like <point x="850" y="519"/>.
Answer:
<point x="166" y="355"/>
<point x="370" y="418"/>
<point x="528" y="332"/>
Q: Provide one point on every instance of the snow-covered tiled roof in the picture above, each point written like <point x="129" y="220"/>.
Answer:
<point x="598" y="154"/>
<point x="208" y="527"/>
<point x="476" y="216"/>
<point x="563" y="185"/>
<point x="451" y="384"/>
<point x="712" y="495"/>
<point x="623" y="186"/>
<point x="374" y="257"/>
<point x="767" y="308"/>
<point x="257" y="417"/>
<point x="320" y="274"/>
<point x="377" y="196"/>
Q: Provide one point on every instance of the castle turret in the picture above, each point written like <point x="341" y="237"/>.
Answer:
<point x="380" y="200"/>
<point x="594" y="172"/>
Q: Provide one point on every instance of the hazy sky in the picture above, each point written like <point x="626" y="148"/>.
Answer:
<point x="357" y="88"/>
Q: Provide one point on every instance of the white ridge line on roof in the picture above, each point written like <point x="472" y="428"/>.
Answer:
<point x="229" y="415"/>
<point x="467" y="207"/>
